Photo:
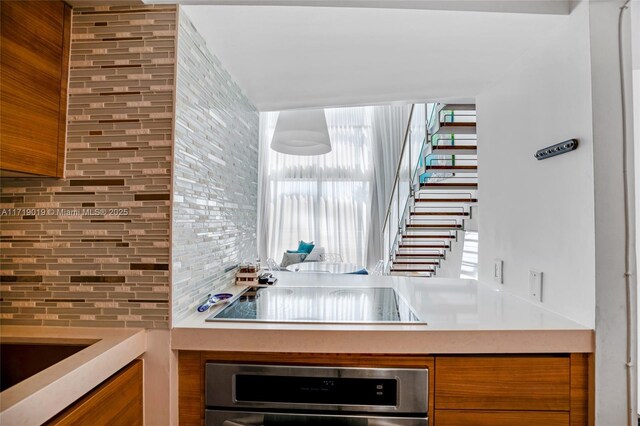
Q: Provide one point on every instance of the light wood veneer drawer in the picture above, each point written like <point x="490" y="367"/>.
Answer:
<point x="500" y="418"/>
<point x="503" y="383"/>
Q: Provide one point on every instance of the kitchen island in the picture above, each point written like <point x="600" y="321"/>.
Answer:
<point x="492" y="358"/>
<point x="462" y="316"/>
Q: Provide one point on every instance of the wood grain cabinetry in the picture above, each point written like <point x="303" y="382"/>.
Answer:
<point x="501" y="418"/>
<point x="503" y="383"/>
<point x="500" y="390"/>
<point x="33" y="88"/>
<point x="512" y="389"/>
<point x="117" y="401"/>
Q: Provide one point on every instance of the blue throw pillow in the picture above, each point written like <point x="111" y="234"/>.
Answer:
<point x="305" y="247"/>
<point x="359" y="272"/>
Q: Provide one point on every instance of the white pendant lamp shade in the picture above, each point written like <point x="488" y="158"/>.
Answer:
<point x="302" y="132"/>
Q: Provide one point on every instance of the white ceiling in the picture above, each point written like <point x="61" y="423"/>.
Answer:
<point x="295" y="57"/>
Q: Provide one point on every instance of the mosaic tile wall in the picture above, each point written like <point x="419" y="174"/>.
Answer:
<point x="215" y="175"/>
<point x="94" y="248"/>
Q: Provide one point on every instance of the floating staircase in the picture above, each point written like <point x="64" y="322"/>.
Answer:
<point x="443" y="196"/>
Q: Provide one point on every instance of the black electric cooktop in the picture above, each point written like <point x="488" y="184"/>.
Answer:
<point x="319" y="305"/>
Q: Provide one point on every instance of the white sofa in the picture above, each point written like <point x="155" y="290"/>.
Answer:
<point x="316" y="255"/>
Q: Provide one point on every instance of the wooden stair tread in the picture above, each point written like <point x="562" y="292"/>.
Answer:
<point x="418" y="258"/>
<point x="448" y="236"/>
<point x="426" y="255"/>
<point x="438" y="213"/>
<point x="453" y="168"/>
<point x="436" y="148"/>
<point x="411" y="270"/>
<point x="437" y="226"/>
<point x="423" y="246"/>
<point x="418" y="267"/>
<point x="458" y="124"/>
<point x="421" y="255"/>
<point x="434" y="225"/>
<point x="422" y="266"/>
<point x="413" y="274"/>
<point x="446" y="200"/>
<point x="435" y="185"/>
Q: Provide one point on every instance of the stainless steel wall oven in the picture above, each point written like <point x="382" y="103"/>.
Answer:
<point x="271" y="395"/>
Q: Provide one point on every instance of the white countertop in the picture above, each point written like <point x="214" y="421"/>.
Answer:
<point x="462" y="316"/>
<point x="43" y="395"/>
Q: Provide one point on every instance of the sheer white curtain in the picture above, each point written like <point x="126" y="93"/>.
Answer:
<point x="389" y="126"/>
<point x="325" y="199"/>
<point x="337" y="200"/>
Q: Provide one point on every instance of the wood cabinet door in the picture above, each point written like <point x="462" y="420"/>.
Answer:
<point x="33" y="88"/>
<point x="500" y="418"/>
<point x="503" y="383"/>
<point x="118" y="401"/>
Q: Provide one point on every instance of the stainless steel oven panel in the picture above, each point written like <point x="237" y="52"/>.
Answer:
<point x="253" y="418"/>
<point x="412" y="388"/>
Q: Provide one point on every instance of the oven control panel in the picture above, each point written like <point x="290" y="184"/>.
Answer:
<point x="340" y="389"/>
<point x="316" y="390"/>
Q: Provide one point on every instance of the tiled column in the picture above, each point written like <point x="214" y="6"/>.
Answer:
<point x="95" y="250"/>
<point x="215" y="192"/>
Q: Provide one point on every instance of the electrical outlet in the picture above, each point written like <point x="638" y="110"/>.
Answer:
<point x="535" y="286"/>
<point x="497" y="271"/>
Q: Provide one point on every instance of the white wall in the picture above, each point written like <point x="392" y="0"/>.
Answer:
<point x="452" y="266"/>
<point x="611" y="397"/>
<point x="635" y="37"/>
<point x="540" y="214"/>
<point x="564" y="216"/>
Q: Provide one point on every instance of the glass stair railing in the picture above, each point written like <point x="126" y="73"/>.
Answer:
<point x="435" y="186"/>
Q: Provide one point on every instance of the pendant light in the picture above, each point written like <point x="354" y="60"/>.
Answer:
<point x="301" y="132"/>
